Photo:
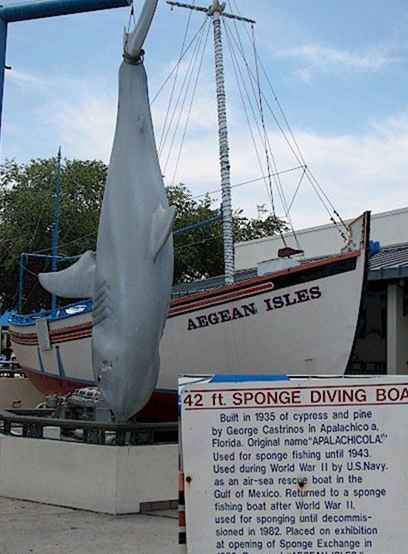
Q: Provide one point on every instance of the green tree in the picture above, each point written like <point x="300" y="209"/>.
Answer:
<point x="26" y="215"/>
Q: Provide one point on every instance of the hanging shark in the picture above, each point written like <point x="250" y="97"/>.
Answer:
<point x="129" y="277"/>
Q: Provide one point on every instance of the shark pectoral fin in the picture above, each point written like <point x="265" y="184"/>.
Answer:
<point x="162" y="225"/>
<point x="77" y="281"/>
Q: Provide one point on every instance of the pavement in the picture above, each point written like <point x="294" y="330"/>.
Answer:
<point x="31" y="528"/>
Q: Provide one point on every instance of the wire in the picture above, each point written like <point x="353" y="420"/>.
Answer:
<point x="243" y="183"/>
<point x="155" y="97"/>
<point x="175" y="78"/>
<point x="242" y="92"/>
<point x="187" y="122"/>
<point x="182" y="99"/>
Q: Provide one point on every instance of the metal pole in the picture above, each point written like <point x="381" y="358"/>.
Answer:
<point x="3" y="48"/>
<point x="22" y="11"/>
<point x="21" y="284"/>
<point x="56" y="229"/>
<point x="223" y="146"/>
<point x="216" y="11"/>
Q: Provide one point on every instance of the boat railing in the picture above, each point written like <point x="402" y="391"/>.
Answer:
<point x="82" y="306"/>
<point x="35" y="423"/>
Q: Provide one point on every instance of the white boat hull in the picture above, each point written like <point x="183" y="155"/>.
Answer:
<point x="301" y="320"/>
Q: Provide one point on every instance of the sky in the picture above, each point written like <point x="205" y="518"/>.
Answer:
<point x="339" y="70"/>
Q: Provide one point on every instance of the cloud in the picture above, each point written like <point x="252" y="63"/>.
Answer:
<point x="358" y="171"/>
<point x="77" y="113"/>
<point x="320" y="58"/>
<point x="23" y="79"/>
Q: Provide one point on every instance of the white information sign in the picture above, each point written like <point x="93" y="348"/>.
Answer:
<point x="296" y="467"/>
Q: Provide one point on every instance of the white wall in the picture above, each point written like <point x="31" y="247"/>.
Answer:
<point x="109" y="479"/>
<point x="387" y="227"/>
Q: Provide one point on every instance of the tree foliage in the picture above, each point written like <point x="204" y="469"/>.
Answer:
<point x="26" y="215"/>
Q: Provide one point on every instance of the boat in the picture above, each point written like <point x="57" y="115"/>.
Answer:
<point x="290" y="315"/>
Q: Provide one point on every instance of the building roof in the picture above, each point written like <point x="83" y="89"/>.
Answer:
<point x="391" y="262"/>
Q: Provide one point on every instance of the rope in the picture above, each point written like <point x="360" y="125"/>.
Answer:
<point x="169" y="76"/>
<point x="182" y="98"/>
<point x="175" y="79"/>
<point x="268" y="150"/>
<point x="187" y="122"/>
<point x="295" y="148"/>
<point x="243" y="89"/>
<point x="243" y="183"/>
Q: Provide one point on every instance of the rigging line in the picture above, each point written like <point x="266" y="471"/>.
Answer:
<point x="217" y="191"/>
<point x="242" y="87"/>
<point x="155" y="97"/>
<point x="63" y="244"/>
<point x="234" y="65"/>
<point x="182" y="98"/>
<point x="251" y="79"/>
<point x="327" y="198"/>
<point x="261" y="112"/>
<point x="297" y="158"/>
<point x="285" y="119"/>
<point x="241" y="50"/>
<point x="188" y="117"/>
<point x="318" y="193"/>
<point x="234" y="3"/>
<point x="267" y="146"/>
<point x="181" y="103"/>
<point x="295" y="142"/>
<point x="183" y="91"/>
<point x="297" y="188"/>
<point x="192" y="244"/>
<point x="282" y="112"/>
<point x="170" y="103"/>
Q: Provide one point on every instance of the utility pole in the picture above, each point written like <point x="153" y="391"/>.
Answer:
<point x="216" y="11"/>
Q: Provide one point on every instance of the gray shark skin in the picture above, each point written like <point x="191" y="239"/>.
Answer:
<point x="130" y="277"/>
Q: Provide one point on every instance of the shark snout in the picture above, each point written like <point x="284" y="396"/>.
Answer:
<point x="127" y="383"/>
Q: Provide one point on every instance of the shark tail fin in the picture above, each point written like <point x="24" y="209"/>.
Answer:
<point x="162" y="225"/>
<point x="77" y="281"/>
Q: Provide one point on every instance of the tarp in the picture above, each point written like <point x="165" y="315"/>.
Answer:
<point x="4" y="318"/>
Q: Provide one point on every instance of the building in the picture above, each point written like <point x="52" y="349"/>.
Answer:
<point x="382" y="337"/>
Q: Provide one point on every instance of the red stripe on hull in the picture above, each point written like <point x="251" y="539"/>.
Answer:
<point x="161" y="407"/>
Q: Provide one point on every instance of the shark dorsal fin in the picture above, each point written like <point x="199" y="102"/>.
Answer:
<point x="77" y="281"/>
<point x="162" y="225"/>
